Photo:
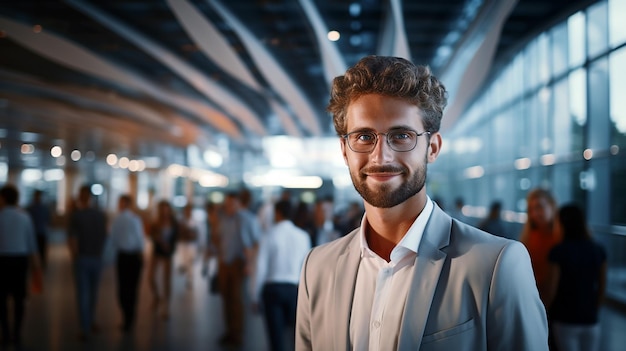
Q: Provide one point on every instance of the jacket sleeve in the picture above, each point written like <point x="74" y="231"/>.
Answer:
<point x="516" y="317"/>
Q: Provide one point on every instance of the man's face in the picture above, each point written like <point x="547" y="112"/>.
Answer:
<point x="384" y="177"/>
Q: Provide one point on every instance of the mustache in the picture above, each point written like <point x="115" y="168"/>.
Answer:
<point x="383" y="169"/>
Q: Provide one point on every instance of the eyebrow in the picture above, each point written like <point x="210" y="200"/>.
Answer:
<point x="394" y="128"/>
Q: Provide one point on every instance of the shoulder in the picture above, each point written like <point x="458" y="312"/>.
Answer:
<point x="330" y="251"/>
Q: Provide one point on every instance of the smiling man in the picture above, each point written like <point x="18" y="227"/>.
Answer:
<point x="410" y="277"/>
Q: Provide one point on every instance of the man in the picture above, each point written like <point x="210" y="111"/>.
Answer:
<point x="127" y="238"/>
<point x="41" y="219"/>
<point x="86" y="239"/>
<point x="278" y="265"/>
<point x="234" y="248"/>
<point x="410" y="277"/>
<point x="17" y="248"/>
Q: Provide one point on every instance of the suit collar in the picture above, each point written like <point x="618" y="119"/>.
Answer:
<point x="428" y="265"/>
<point x="345" y="280"/>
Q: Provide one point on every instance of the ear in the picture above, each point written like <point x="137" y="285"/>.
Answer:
<point x="342" y="142"/>
<point x="434" y="147"/>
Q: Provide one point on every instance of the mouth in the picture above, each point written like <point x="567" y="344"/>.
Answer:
<point x="382" y="175"/>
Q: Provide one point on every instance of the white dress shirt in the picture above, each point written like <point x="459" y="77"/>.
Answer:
<point x="382" y="287"/>
<point x="281" y="254"/>
<point x="127" y="232"/>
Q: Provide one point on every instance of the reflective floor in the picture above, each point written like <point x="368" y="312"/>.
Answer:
<point x="195" y="321"/>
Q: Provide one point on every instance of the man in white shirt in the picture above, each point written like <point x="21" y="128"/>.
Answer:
<point x="127" y="238"/>
<point x="410" y="277"/>
<point x="279" y="261"/>
<point x="17" y="248"/>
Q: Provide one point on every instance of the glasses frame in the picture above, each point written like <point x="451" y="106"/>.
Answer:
<point x="376" y="134"/>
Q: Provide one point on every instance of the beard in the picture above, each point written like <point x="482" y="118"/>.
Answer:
<point x="384" y="196"/>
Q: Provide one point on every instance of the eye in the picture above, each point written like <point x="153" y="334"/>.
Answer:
<point x="364" y="137"/>
<point x="401" y="135"/>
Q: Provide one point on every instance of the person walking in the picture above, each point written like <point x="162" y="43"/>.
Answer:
<point x="18" y="253"/>
<point x="164" y="235"/>
<point x="279" y="261"/>
<point x="235" y="249"/>
<point x="87" y="233"/>
<point x="127" y="238"/>
<point x="188" y="244"/>
<point x="577" y="276"/>
<point x="40" y="215"/>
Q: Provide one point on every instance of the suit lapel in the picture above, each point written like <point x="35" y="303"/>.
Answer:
<point x="345" y="280"/>
<point x="428" y="265"/>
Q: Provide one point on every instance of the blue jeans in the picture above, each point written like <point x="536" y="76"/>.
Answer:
<point x="279" y="307"/>
<point x="87" y="270"/>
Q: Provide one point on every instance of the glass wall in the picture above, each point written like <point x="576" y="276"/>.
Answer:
<point x="554" y="117"/>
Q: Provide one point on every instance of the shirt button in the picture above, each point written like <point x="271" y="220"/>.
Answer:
<point x="377" y="324"/>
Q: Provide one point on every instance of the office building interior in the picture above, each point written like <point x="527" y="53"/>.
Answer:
<point x="186" y="100"/>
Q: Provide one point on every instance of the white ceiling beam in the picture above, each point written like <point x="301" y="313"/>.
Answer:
<point x="208" y="87"/>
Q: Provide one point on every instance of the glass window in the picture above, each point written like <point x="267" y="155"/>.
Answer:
<point x="617" y="25"/>
<point x="503" y="147"/>
<point x="597" y="29"/>
<point x="618" y="189"/>
<point x="559" y="49"/>
<point x="578" y="103"/>
<point x="617" y="79"/>
<point x="543" y="58"/>
<point x="561" y="118"/>
<point x="566" y="182"/>
<point x="576" y="36"/>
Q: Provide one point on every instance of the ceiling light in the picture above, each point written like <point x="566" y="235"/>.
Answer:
<point x="588" y="154"/>
<point x="333" y="35"/>
<point x="56" y="151"/>
<point x="75" y="155"/>
<point x="124" y="162"/>
<point x="28" y="149"/>
<point x="355" y="9"/>
<point x="111" y="159"/>
<point x="522" y="163"/>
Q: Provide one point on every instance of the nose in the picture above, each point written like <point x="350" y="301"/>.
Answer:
<point x="382" y="152"/>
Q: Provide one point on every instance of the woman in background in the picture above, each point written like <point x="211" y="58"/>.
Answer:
<point x="164" y="234"/>
<point x="539" y="234"/>
<point x="578" y="275"/>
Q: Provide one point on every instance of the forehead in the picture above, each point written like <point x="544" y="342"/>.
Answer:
<point x="381" y="112"/>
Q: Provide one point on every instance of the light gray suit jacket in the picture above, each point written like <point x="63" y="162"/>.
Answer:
<point x="470" y="291"/>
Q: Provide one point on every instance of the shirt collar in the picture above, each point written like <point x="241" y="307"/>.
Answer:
<point x="410" y="241"/>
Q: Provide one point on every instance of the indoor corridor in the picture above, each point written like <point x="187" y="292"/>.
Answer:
<point x="195" y="321"/>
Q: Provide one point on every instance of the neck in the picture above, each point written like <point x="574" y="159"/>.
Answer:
<point x="385" y="227"/>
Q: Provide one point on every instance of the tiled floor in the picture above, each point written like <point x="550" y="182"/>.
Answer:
<point x="195" y="322"/>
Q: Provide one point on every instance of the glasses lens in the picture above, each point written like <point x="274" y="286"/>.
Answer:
<point x="402" y="140"/>
<point x="362" y="141"/>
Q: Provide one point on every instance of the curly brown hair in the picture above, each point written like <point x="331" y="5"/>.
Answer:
<point x="389" y="76"/>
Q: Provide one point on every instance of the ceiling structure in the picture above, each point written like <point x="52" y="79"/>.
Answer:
<point x="150" y="77"/>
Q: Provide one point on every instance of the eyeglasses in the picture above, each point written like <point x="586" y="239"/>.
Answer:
<point x="400" y="140"/>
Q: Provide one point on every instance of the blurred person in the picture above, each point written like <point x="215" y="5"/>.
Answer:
<point x="188" y="243"/>
<point x="40" y="215"/>
<point x="164" y="231"/>
<point x="302" y="217"/>
<point x="212" y="244"/>
<point x="234" y="247"/>
<point x="278" y="265"/>
<point x="457" y="211"/>
<point x="250" y="224"/>
<point x="577" y="274"/>
<point x="18" y="253"/>
<point x="539" y="234"/>
<point x="324" y="228"/>
<point x="127" y="239"/>
<point x="87" y="234"/>
<point x="409" y="277"/>
<point x="493" y="223"/>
